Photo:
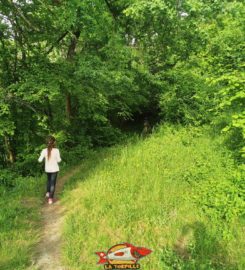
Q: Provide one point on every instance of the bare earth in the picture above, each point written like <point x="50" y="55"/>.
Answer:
<point x="48" y="253"/>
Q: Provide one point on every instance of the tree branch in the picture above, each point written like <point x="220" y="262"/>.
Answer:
<point x="73" y="44"/>
<point x="10" y="98"/>
<point x="111" y="10"/>
<point x="57" y="42"/>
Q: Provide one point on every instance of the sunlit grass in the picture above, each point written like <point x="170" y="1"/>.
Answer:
<point x="144" y="193"/>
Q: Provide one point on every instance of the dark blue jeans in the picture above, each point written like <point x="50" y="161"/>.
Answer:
<point x="51" y="183"/>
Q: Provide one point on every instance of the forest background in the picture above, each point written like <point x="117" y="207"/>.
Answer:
<point x="87" y="70"/>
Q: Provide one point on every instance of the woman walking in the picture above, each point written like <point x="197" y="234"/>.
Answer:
<point x="51" y="154"/>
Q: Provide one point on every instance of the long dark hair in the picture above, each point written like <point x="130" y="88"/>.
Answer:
<point x="50" y="144"/>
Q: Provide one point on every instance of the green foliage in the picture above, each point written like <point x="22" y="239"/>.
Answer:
<point x="83" y="68"/>
<point x="184" y="98"/>
<point x="7" y="179"/>
<point x="222" y="201"/>
<point x="6" y="124"/>
<point x="225" y="57"/>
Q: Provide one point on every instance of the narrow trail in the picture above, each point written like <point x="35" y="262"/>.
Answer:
<point x="48" y="253"/>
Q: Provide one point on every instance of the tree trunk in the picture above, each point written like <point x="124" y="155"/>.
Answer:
<point x="9" y="150"/>
<point x="73" y="44"/>
<point x="49" y="113"/>
<point x="68" y="105"/>
<point x="70" y="55"/>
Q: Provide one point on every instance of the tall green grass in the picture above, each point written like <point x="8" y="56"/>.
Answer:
<point x="160" y="193"/>
<point x="19" y="221"/>
<point x="21" y="224"/>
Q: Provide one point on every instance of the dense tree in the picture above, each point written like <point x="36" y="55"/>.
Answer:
<point x="80" y="69"/>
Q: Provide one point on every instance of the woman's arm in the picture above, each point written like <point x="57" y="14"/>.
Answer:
<point x="58" y="156"/>
<point x="41" y="156"/>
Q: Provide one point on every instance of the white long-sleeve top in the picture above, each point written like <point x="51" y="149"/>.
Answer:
<point x="51" y="164"/>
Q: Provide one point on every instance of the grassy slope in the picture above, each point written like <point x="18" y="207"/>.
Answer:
<point x="148" y="193"/>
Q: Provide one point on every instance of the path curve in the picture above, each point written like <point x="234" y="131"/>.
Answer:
<point x="48" y="253"/>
